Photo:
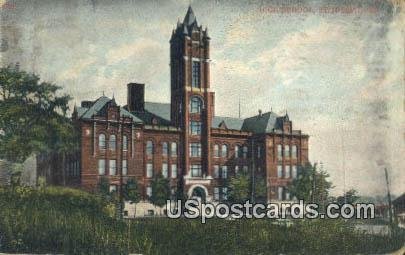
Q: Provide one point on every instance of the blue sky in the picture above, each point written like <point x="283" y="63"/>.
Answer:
<point x="339" y="75"/>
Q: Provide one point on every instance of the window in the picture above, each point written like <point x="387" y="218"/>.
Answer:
<point x="196" y="171"/>
<point x="124" y="167"/>
<point x="287" y="172"/>
<point x="224" y="172"/>
<point x="259" y="151"/>
<point x="294" y="152"/>
<point x="149" y="148"/>
<point x="113" y="167"/>
<point x="237" y="151"/>
<point x="149" y="170"/>
<point x="287" y="150"/>
<point x="195" y="127"/>
<point x="101" y="142"/>
<point x="294" y="172"/>
<point x="287" y="195"/>
<point x="279" y="152"/>
<point x="236" y="170"/>
<point x="216" y="150"/>
<point x="245" y="169"/>
<point x="125" y="143"/>
<point x="113" y="142"/>
<point x="216" y="193"/>
<point x="280" y="193"/>
<point x="113" y="188"/>
<point x="225" y="193"/>
<point x="173" y="149"/>
<point x="174" y="171"/>
<point x="196" y="75"/>
<point x="165" y="170"/>
<point x="224" y="151"/>
<point x="165" y="149"/>
<point x="195" y="149"/>
<point x="195" y="105"/>
<point x="216" y="171"/>
<point x="279" y="171"/>
<point x="245" y="151"/>
<point x="101" y="166"/>
<point x="149" y="193"/>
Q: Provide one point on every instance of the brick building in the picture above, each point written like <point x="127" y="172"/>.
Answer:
<point x="184" y="140"/>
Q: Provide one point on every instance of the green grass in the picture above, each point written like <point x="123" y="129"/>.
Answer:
<point x="68" y="221"/>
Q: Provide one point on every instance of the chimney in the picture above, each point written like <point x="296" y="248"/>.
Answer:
<point x="260" y="113"/>
<point x="136" y="97"/>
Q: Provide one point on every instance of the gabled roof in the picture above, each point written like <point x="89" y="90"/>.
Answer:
<point x="158" y="111"/>
<point x="231" y="123"/>
<point x="263" y="123"/>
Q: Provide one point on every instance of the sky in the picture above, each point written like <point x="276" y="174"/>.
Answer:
<point x="337" y="67"/>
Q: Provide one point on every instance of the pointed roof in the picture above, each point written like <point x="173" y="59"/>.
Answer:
<point x="190" y="18"/>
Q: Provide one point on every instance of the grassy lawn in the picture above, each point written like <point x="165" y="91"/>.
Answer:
<point x="74" y="222"/>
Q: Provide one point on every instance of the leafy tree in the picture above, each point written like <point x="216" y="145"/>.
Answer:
<point x="130" y="191"/>
<point x="349" y="197"/>
<point x="103" y="187"/>
<point x="311" y="185"/>
<point x="260" y="189"/>
<point x="239" y="188"/>
<point x="32" y="117"/>
<point x="160" y="191"/>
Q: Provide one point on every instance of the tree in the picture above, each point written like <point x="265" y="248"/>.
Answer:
<point x="130" y="191"/>
<point x="160" y="191"/>
<point x="32" y="117"/>
<point x="311" y="185"/>
<point x="103" y="188"/>
<point x="349" y="197"/>
<point x="239" y="188"/>
<point x="260" y="190"/>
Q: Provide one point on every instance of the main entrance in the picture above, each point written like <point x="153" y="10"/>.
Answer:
<point x="198" y="192"/>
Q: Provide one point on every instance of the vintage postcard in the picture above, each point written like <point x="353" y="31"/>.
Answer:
<point x="202" y="127"/>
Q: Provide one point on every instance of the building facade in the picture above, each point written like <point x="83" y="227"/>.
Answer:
<point x="184" y="140"/>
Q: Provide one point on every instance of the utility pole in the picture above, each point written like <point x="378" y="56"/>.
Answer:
<point x="389" y="196"/>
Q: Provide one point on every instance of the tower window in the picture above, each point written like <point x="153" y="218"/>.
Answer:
<point x="195" y="105"/>
<point x="196" y="75"/>
<point x="196" y="171"/>
<point x="195" y="127"/>
<point x="195" y="149"/>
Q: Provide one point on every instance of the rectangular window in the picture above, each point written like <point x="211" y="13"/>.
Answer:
<point x="279" y="171"/>
<point x="245" y="152"/>
<point x="101" y="166"/>
<point x="216" y="171"/>
<point x="195" y="127"/>
<point x="149" y="170"/>
<point x="113" y="167"/>
<point x="124" y="167"/>
<point x="225" y="193"/>
<point x="149" y="191"/>
<point x="259" y="152"/>
<point x="195" y="149"/>
<point x="173" y="150"/>
<point x="287" y="172"/>
<point x="174" y="170"/>
<point x="237" y="151"/>
<point x="236" y="170"/>
<point x="287" y="151"/>
<point x="196" y="74"/>
<point x="245" y="169"/>
<point x="294" y="152"/>
<point x="279" y="151"/>
<point x="216" y="193"/>
<point x="149" y="148"/>
<point x="165" y="170"/>
<point x="280" y="193"/>
<point x="165" y="149"/>
<point x="124" y="143"/>
<point x="294" y="172"/>
<point x="224" y="172"/>
<point x="196" y="171"/>
<point x="287" y="195"/>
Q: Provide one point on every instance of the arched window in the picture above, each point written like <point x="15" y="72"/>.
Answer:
<point x="224" y="151"/>
<point x="173" y="149"/>
<point x="124" y="143"/>
<point x="149" y="148"/>
<point x="195" y="105"/>
<point x="165" y="149"/>
<point x="101" y="142"/>
<point x="113" y="142"/>
<point x="216" y="150"/>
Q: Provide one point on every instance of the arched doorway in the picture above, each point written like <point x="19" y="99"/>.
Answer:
<point x="198" y="192"/>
